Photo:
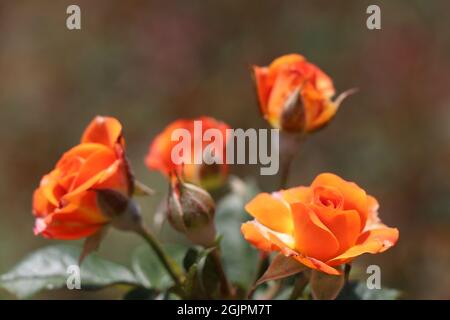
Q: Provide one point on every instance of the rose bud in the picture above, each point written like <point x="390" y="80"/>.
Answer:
<point x="295" y="95"/>
<point x="190" y="210"/>
<point x="322" y="226"/>
<point x="65" y="204"/>
<point x="208" y="176"/>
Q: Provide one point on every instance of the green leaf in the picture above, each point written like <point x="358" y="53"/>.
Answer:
<point x="193" y="286"/>
<point x="149" y="270"/>
<point x="357" y="290"/>
<point x="202" y="280"/>
<point x="207" y="274"/>
<point x="239" y="257"/>
<point x="47" y="268"/>
<point x="190" y="258"/>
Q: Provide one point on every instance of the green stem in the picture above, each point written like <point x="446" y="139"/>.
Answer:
<point x="289" y="144"/>
<point x="165" y="260"/>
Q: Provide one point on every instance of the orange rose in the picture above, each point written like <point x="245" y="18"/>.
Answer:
<point x="295" y="95"/>
<point x="65" y="203"/>
<point x="322" y="226"/>
<point x="159" y="156"/>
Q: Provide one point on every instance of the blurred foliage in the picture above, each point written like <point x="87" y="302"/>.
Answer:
<point x="48" y="268"/>
<point x="150" y="62"/>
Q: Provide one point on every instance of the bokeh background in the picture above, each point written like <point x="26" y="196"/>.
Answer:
<point x="150" y="62"/>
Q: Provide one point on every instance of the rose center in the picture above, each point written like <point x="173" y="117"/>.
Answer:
<point x="328" y="197"/>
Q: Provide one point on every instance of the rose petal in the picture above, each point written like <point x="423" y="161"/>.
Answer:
<point x="285" y="84"/>
<point x="94" y="170"/>
<point x="263" y="90"/>
<point x="328" y="111"/>
<point x="355" y="198"/>
<point x="288" y="59"/>
<point x="307" y="261"/>
<point x="272" y="212"/>
<point x="263" y="239"/>
<point x="253" y="234"/>
<point x="80" y="152"/>
<point x="345" y="225"/>
<point x="372" y="241"/>
<point x="312" y="237"/>
<point x="297" y="194"/>
<point x="41" y="205"/>
<point x="103" y="130"/>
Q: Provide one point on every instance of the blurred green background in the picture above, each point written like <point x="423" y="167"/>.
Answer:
<point x="151" y="62"/>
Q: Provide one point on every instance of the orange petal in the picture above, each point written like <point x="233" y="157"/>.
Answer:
<point x="70" y="231"/>
<point x="94" y="170"/>
<point x="266" y="240"/>
<point x="355" y="198"/>
<point x="159" y="155"/>
<point x="272" y="212"/>
<point x="116" y="177"/>
<point x="373" y="221"/>
<point x="323" y="83"/>
<point x="81" y="151"/>
<point x="50" y="188"/>
<point x="285" y="84"/>
<point x="83" y="209"/>
<point x="345" y="225"/>
<point x="262" y="87"/>
<point x="41" y="205"/>
<point x="328" y="111"/>
<point x="372" y="241"/>
<point x="297" y="194"/>
<point x="103" y="130"/>
<point x="76" y="220"/>
<point x="312" y="237"/>
<point x="255" y="236"/>
<point x="287" y="59"/>
<point x="307" y="261"/>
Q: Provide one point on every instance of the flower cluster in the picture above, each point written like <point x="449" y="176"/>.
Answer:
<point x="316" y="228"/>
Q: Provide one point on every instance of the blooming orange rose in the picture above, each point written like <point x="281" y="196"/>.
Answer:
<point x="295" y="95"/>
<point x="322" y="226"/>
<point x="159" y="156"/>
<point x="65" y="203"/>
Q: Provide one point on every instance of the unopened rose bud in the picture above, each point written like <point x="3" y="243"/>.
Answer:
<point x="295" y="95"/>
<point x="191" y="210"/>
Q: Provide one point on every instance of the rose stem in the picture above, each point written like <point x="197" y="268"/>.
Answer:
<point x="289" y="144"/>
<point x="165" y="260"/>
